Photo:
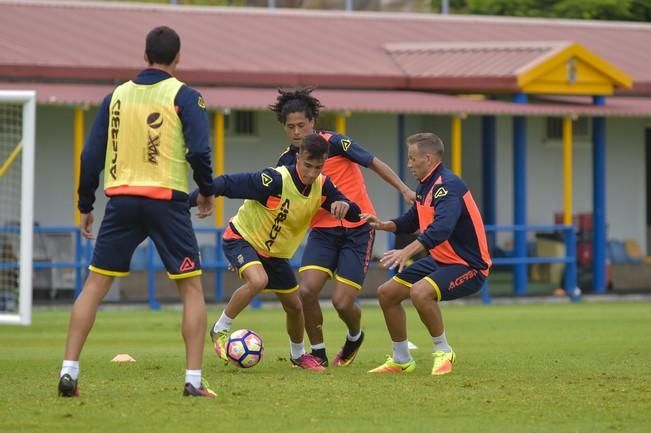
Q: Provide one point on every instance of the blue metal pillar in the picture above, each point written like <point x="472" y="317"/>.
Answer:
<point x="88" y="253"/>
<point x="151" y="277"/>
<point x="520" y="196"/>
<point x="401" y="159"/>
<point x="599" y="199"/>
<point x="489" y="174"/>
<point x="570" y="277"/>
<point x="79" y="255"/>
<point x="219" y="266"/>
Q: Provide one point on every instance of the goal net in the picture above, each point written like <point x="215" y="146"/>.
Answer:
<point x="17" y="128"/>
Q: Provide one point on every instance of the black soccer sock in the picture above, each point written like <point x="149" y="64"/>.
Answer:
<point x="320" y="353"/>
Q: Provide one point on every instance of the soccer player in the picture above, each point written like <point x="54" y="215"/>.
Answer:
<point x="452" y="231"/>
<point x="335" y="249"/>
<point x="268" y="229"/>
<point x="145" y="133"/>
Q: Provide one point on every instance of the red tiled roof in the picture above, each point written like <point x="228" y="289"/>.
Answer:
<point x="452" y="65"/>
<point x="374" y="101"/>
<point x="262" y="47"/>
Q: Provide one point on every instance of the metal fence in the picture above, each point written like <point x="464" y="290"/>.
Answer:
<point x="146" y="259"/>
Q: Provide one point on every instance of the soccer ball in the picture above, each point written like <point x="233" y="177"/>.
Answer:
<point x="244" y="348"/>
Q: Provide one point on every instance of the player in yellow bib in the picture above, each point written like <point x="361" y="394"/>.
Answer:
<point x="146" y="133"/>
<point x="268" y="229"/>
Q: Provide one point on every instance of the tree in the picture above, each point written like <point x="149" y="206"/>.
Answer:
<point x="626" y="10"/>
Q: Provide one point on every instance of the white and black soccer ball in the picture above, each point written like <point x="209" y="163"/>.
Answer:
<point x="244" y="348"/>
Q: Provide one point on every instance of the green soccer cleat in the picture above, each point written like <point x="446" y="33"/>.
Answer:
<point x="442" y="362"/>
<point x="219" y="340"/>
<point x="390" y="366"/>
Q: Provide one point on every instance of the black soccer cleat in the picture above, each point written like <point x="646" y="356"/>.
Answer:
<point x="348" y="352"/>
<point x="68" y="386"/>
<point x="320" y="355"/>
<point x="203" y="391"/>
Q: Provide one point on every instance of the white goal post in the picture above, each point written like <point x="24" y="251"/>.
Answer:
<point x="17" y="143"/>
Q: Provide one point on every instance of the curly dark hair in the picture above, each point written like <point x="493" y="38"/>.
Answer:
<point x="296" y="101"/>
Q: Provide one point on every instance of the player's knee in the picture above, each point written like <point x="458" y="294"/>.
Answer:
<point x="421" y="293"/>
<point x="258" y="282"/>
<point x="385" y="294"/>
<point x="308" y="293"/>
<point x="342" y="303"/>
<point x="293" y="306"/>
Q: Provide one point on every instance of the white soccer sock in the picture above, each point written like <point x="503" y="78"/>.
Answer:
<point x="318" y="346"/>
<point x="401" y="353"/>
<point x="355" y="337"/>
<point x="441" y="344"/>
<point x="193" y="377"/>
<point x="223" y="324"/>
<point x="71" y="368"/>
<point x="296" y="349"/>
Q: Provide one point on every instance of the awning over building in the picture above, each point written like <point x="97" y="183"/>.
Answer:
<point x="555" y="67"/>
<point x="368" y="101"/>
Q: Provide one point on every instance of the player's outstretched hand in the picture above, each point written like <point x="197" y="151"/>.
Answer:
<point x="339" y="209"/>
<point x="395" y="259"/>
<point x="372" y="220"/>
<point x="86" y="225"/>
<point x="205" y="205"/>
<point x="376" y="222"/>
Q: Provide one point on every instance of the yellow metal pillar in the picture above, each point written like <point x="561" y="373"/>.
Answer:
<point x="78" y="145"/>
<point x="567" y="170"/>
<point x="218" y="155"/>
<point x="340" y="124"/>
<point x="457" y="143"/>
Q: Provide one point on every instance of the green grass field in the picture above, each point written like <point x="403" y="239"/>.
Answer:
<point x="521" y="368"/>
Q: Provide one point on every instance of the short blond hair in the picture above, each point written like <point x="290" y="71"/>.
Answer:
<point x="427" y="142"/>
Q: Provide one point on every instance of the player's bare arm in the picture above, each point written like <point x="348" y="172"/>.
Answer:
<point x="390" y="177"/>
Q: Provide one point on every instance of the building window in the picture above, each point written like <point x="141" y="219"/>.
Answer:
<point x="580" y="128"/>
<point x="241" y="123"/>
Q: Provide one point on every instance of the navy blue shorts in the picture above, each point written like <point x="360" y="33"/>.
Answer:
<point x="129" y="220"/>
<point x="241" y="255"/>
<point x="340" y="252"/>
<point x="449" y="281"/>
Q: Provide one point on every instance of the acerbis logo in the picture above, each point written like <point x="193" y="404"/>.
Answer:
<point x="154" y="121"/>
<point x="187" y="265"/>
<point x="266" y="179"/>
<point x="115" y="130"/>
<point x="345" y="144"/>
<point x="462" y="279"/>
<point x="277" y="227"/>
<point x="441" y="192"/>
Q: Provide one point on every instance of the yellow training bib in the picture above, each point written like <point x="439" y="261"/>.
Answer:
<point x="145" y="153"/>
<point x="279" y="231"/>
